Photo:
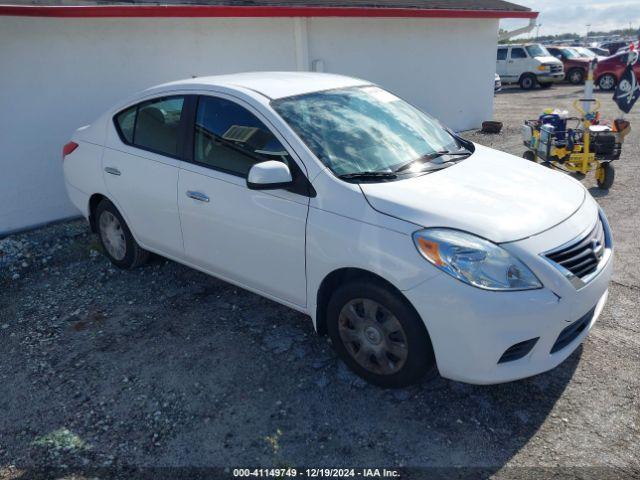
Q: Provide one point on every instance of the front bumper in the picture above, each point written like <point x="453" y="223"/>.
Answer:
<point x="471" y="328"/>
<point x="550" y="77"/>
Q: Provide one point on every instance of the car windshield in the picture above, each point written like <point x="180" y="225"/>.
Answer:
<point x="363" y="129"/>
<point x="585" y="52"/>
<point x="537" y="50"/>
<point x="570" y="53"/>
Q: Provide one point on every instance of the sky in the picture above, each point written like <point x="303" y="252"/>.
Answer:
<point x="565" y="16"/>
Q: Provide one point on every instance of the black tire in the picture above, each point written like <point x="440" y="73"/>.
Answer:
<point x="546" y="85"/>
<point x="134" y="255"/>
<point x="419" y="360"/>
<point x="609" y="175"/>
<point x="529" y="155"/>
<point x="528" y="81"/>
<point x="575" y="76"/>
<point x="607" y="82"/>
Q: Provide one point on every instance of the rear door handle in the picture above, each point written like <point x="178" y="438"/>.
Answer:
<point x="201" y="197"/>
<point x="112" y="170"/>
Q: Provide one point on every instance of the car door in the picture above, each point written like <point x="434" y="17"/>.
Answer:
<point x="253" y="237"/>
<point x="501" y="63"/>
<point x="140" y="166"/>
<point x="518" y="63"/>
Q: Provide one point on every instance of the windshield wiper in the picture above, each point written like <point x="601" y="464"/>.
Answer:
<point x="432" y="156"/>
<point x="367" y="175"/>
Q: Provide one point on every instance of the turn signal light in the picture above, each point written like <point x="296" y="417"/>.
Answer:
<point x="431" y="250"/>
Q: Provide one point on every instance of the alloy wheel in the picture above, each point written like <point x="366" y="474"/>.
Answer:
<point x="373" y="336"/>
<point x="607" y="82"/>
<point x="576" y="77"/>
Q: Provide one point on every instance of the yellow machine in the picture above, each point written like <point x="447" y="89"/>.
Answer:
<point x="577" y="145"/>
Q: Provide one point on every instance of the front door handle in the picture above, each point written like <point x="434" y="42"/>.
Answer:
<point x="112" y="170"/>
<point x="201" y="197"/>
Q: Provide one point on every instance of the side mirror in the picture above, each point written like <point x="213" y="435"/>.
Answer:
<point x="269" y="175"/>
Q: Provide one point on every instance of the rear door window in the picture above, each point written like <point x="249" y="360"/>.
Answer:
<point x="502" y="54"/>
<point x="158" y="125"/>
<point x="154" y="125"/>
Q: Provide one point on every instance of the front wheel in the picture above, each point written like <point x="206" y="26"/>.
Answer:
<point x="527" y="82"/>
<point x="379" y="335"/>
<point x="607" y="82"/>
<point x="576" y="76"/>
<point x="116" y="238"/>
<point x="605" y="174"/>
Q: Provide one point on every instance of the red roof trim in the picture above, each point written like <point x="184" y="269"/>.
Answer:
<point x="103" y="11"/>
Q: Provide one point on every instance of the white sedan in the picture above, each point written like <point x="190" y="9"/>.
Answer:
<point x="415" y="250"/>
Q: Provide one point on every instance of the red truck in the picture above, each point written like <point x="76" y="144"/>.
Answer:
<point x="609" y="71"/>
<point x="575" y="65"/>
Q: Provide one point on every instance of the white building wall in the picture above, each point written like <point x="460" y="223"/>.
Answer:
<point x="59" y="74"/>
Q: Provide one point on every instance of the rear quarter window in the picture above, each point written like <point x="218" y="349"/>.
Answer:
<point x="125" y="121"/>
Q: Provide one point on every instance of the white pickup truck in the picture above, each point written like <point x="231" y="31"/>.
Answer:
<point x="528" y="65"/>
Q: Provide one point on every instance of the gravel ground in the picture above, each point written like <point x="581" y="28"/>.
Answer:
<point x="103" y="371"/>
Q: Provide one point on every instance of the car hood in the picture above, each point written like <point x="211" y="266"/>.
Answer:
<point x="491" y="194"/>
<point x="579" y="61"/>
<point x="548" y="59"/>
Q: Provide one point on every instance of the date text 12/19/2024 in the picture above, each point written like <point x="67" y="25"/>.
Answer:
<point x="315" y="473"/>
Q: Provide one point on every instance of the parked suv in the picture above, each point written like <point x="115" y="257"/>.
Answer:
<point x="414" y="249"/>
<point x="576" y="66"/>
<point x="528" y="65"/>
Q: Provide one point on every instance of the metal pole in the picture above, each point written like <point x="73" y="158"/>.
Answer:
<point x="588" y="87"/>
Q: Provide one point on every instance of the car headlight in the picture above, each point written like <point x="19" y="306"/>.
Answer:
<point x="474" y="260"/>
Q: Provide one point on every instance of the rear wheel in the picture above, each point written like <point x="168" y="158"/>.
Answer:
<point x="576" y="76"/>
<point x="527" y="81"/>
<point x="605" y="174"/>
<point x="379" y="335"/>
<point x="116" y="239"/>
<point x="607" y="82"/>
<point x="529" y="155"/>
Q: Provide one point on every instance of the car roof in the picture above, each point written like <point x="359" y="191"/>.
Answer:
<point x="272" y="85"/>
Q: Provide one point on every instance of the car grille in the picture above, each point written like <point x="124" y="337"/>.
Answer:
<point x="570" y="333"/>
<point x="582" y="257"/>
<point x="556" y="68"/>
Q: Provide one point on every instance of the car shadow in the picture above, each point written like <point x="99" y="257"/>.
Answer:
<point x="568" y="91"/>
<point x="192" y="373"/>
<point x="598" y="192"/>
